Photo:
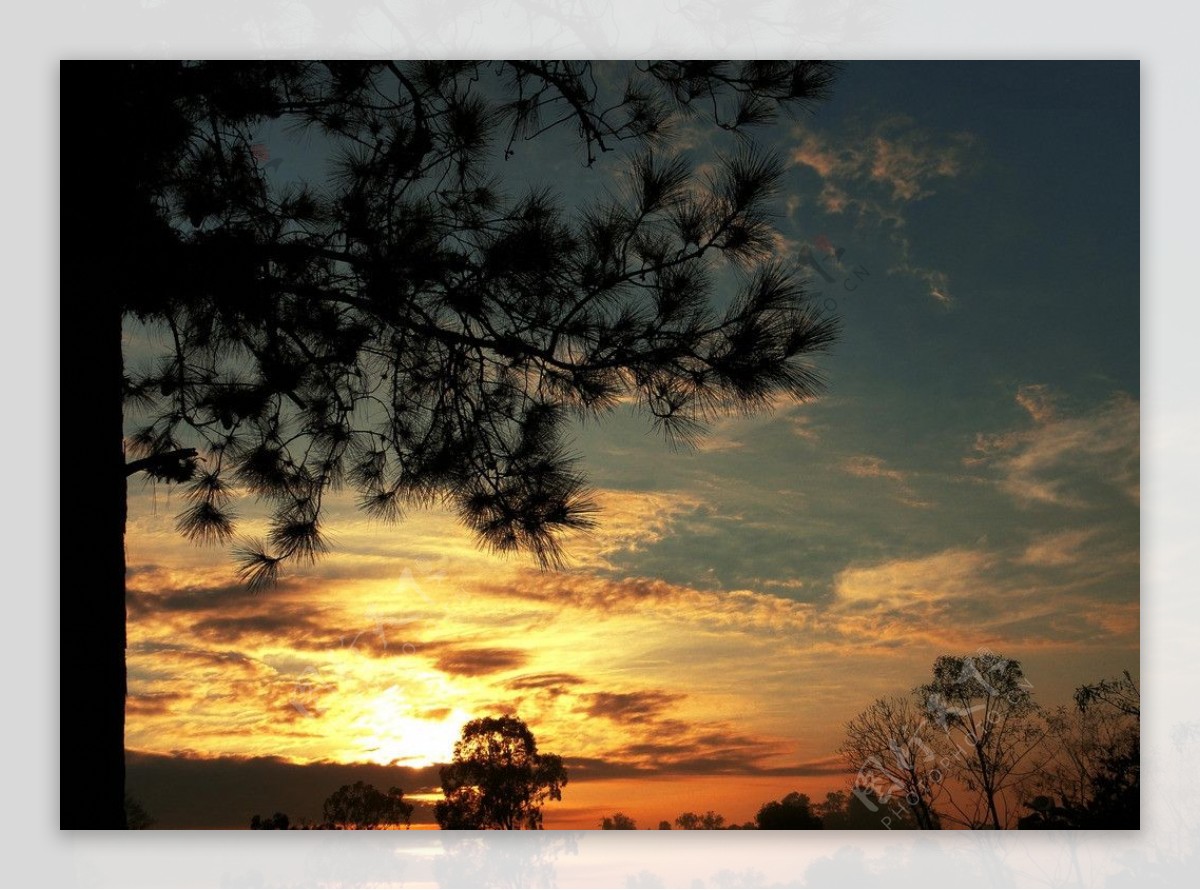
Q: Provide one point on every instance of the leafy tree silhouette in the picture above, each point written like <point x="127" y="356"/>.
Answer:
<point x="793" y="812"/>
<point x="357" y="807"/>
<point x="618" y="822"/>
<point x="278" y="822"/>
<point x="497" y="779"/>
<point x="865" y="811"/>
<point x="362" y="807"/>
<point x="136" y="816"/>
<point x="405" y="328"/>
<point x="709" y="821"/>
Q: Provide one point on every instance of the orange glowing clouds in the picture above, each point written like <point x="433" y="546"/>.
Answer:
<point x="385" y="649"/>
<point x="634" y="667"/>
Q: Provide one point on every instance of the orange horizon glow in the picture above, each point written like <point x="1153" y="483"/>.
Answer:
<point x="380" y="653"/>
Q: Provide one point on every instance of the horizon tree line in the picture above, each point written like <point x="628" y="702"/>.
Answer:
<point x="969" y="749"/>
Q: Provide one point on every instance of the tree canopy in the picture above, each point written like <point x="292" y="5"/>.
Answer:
<point x="618" y="822"/>
<point x="362" y="806"/>
<point x="357" y="807"/>
<point x="410" y="330"/>
<point x="793" y="812"/>
<point x="862" y="809"/>
<point x="710" y="821"/>
<point x="398" y="324"/>
<point x="497" y="778"/>
<point x="277" y="822"/>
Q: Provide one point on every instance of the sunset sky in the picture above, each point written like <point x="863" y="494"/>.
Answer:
<point x="969" y="480"/>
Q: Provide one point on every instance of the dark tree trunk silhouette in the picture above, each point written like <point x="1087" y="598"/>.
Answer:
<point x="92" y="678"/>
<point x="99" y="257"/>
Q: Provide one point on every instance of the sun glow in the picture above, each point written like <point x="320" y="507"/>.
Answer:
<point x="395" y="730"/>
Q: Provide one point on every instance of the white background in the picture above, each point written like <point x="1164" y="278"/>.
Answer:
<point x="36" y="36"/>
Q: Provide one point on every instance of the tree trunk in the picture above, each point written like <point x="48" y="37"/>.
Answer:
<point x="95" y="253"/>
<point x="92" y="614"/>
<point x="991" y="796"/>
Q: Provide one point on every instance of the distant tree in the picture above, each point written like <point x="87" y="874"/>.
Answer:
<point x="989" y="730"/>
<point x="403" y="327"/>
<point x="497" y="779"/>
<point x="710" y="821"/>
<point x="863" y="810"/>
<point x="793" y="812"/>
<point x="136" y="817"/>
<point x="363" y="807"/>
<point x="888" y="746"/>
<point x="618" y="822"/>
<point x="664" y="825"/>
<point x="1094" y="779"/>
<point x="278" y="822"/>
<point x="1045" y="815"/>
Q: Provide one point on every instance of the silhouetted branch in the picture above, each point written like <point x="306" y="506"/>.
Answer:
<point x="170" y="463"/>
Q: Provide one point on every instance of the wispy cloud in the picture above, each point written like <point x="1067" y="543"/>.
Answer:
<point x="866" y="466"/>
<point x="628" y="707"/>
<point x="874" y="172"/>
<point x="478" y="662"/>
<point x="1057" y="549"/>
<point x="878" y="169"/>
<point x="936" y="281"/>
<point x="1039" y="400"/>
<point x="1065" y="460"/>
<point x="972" y="596"/>
<point x="950" y="574"/>
<point x="556" y="683"/>
<point x="735" y="432"/>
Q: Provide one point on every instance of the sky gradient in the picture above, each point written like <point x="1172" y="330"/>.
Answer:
<point x="970" y="480"/>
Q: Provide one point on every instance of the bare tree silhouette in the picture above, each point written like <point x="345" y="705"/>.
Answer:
<point x="1094" y="777"/>
<point x="889" y="745"/>
<point x="404" y="329"/>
